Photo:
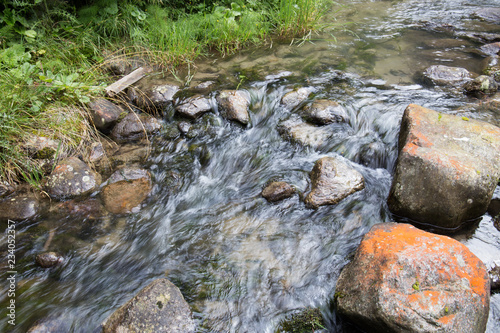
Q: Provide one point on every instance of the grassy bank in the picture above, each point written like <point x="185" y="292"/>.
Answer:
<point x="52" y="53"/>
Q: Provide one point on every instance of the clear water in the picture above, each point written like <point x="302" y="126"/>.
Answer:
<point x="244" y="264"/>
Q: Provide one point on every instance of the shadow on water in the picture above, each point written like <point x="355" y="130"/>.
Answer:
<point x="244" y="264"/>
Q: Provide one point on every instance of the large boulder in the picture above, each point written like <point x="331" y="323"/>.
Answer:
<point x="126" y="189"/>
<point x="70" y="178"/>
<point x="403" y="279"/>
<point x="158" y="308"/>
<point x="447" y="168"/>
<point x="443" y="75"/>
<point x="104" y="114"/>
<point x="135" y="127"/>
<point x="234" y="105"/>
<point x="194" y="107"/>
<point x="324" y="112"/>
<point x="332" y="180"/>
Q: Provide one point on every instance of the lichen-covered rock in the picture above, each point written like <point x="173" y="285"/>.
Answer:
<point x="296" y="130"/>
<point x="104" y="114"/>
<point x="443" y="75"/>
<point x="447" y="169"/>
<point x="403" y="279"/>
<point x="49" y="259"/>
<point x="126" y="189"/>
<point x="277" y="191"/>
<point x="234" y="105"/>
<point x="481" y="86"/>
<point x="70" y="178"/>
<point x="158" y="308"/>
<point x="332" y="180"/>
<point x="194" y="107"/>
<point x="294" y="98"/>
<point x="135" y="127"/>
<point x="19" y="206"/>
<point x="324" y="112"/>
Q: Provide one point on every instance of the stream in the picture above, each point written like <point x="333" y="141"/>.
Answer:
<point x="244" y="264"/>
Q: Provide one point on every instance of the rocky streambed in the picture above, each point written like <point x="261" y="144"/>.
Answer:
<point x="260" y="192"/>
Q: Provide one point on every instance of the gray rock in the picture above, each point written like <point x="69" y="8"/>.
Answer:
<point x="158" y="308"/>
<point x="492" y="68"/>
<point x="19" y="207"/>
<point x="332" y="180"/>
<point x="70" y="178"/>
<point x="194" y="107"/>
<point x="324" y="112"/>
<point x="491" y="49"/>
<point x="49" y="259"/>
<point x="481" y="86"/>
<point x="104" y="114"/>
<point x="480" y="37"/>
<point x="126" y="189"/>
<point x="135" y="127"/>
<point x="488" y="14"/>
<point x="303" y="133"/>
<point x="443" y="75"/>
<point x="277" y="191"/>
<point x="55" y="325"/>
<point x="40" y="147"/>
<point x="296" y="97"/>
<point x="96" y="152"/>
<point x="447" y="169"/>
<point x="184" y="127"/>
<point x="403" y="279"/>
<point x="234" y="105"/>
<point x="153" y="98"/>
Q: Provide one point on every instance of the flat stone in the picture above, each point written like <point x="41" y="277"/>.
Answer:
<point x="447" y="169"/>
<point x="105" y="114"/>
<point x="332" y="180"/>
<point x="135" y="127"/>
<point x="277" y="191"/>
<point x="234" y="105"/>
<point x="159" y="307"/>
<point x="443" y="75"/>
<point x="303" y="133"/>
<point x="194" y="107"/>
<point x="126" y="189"/>
<point x="403" y="279"/>
<point x="70" y="178"/>
<point x="324" y="112"/>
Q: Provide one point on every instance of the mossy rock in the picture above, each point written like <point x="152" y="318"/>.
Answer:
<point x="305" y="321"/>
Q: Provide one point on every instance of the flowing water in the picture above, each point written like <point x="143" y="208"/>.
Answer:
<point x="242" y="263"/>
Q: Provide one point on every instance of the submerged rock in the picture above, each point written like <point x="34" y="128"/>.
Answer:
<point x="481" y="86"/>
<point x="130" y="154"/>
<point x="403" y="279"/>
<point x="70" y="178"/>
<point x="194" y="107"/>
<point x="491" y="49"/>
<point x="234" y="105"/>
<point x="488" y="14"/>
<point x="443" y="75"/>
<point x="19" y="206"/>
<point x="303" y="133"/>
<point x="304" y="321"/>
<point x="447" y="169"/>
<point x="158" y="308"/>
<point x="126" y="189"/>
<point x="49" y="259"/>
<point x="332" y="180"/>
<point x="294" y="98"/>
<point x="105" y="114"/>
<point x="135" y="127"/>
<point x="277" y="191"/>
<point x="89" y="209"/>
<point x="324" y="112"/>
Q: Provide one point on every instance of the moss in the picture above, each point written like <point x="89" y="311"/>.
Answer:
<point x="307" y="320"/>
<point x="416" y="286"/>
<point x="45" y="153"/>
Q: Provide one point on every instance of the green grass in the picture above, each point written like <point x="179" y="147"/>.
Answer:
<point x="51" y="56"/>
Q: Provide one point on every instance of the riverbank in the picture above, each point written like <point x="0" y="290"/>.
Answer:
<point x="55" y="58"/>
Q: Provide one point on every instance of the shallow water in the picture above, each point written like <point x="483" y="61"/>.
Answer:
<point x="244" y="264"/>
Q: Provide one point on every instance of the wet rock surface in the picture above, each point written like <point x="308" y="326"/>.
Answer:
<point x="126" y="189"/>
<point x="71" y="177"/>
<point x="494" y="273"/>
<point x="194" y="107"/>
<point x="234" y="105"/>
<point x="488" y="14"/>
<point x="50" y="326"/>
<point x="159" y="307"/>
<point x="491" y="49"/>
<point x="277" y="191"/>
<point x="297" y="131"/>
<point x="294" y="98"/>
<point x="405" y="279"/>
<point x="135" y="127"/>
<point x="130" y="154"/>
<point x="332" y="180"/>
<point x="324" y="112"/>
<point x="481" y="86"/>
<point x="445" y="76"/>
<point x="49" y="259"/>
<point x="19" y="206"/>
<point x="104" y="114"/>
<point x="89" y="209"/>
<point x="447" y="169"/>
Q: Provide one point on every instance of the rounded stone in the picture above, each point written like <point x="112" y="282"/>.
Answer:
<point x="277" y="191"/>
<point x="49" y="259"/>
